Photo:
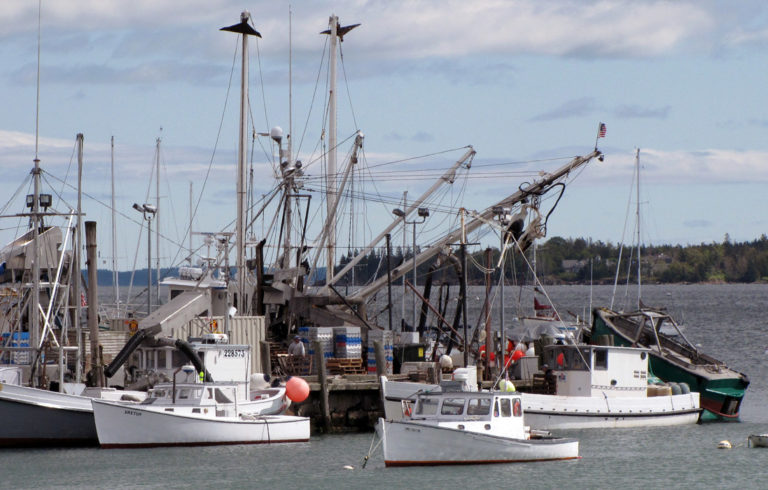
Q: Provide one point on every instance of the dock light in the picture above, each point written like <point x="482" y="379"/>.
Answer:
<point x="30" y="201"/>
<point x="423" y="212"/>
<point x="398" y="212"/>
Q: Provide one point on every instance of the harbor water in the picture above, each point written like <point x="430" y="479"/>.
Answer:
<point x="727" y="321"/>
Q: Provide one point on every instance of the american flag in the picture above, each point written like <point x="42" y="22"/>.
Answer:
<point x="601" y="131"/>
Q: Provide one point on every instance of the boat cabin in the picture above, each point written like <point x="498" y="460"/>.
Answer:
<point x="194" y="398"/>
<point x="227" y="363"/>
<point x="598" y="370"/>
<point x="494" y="413"/>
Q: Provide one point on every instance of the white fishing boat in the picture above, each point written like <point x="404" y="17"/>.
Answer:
<point x="398" y="397"/>
<point x="606" y="387"/>
<point x="468" y="428"/>
<point x="193" y="414"/>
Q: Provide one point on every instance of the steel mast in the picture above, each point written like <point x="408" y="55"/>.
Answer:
<point x="245" y="30"/>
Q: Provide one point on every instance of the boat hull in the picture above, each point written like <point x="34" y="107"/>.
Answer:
<point x="721" y="392"/>
<point x="757" y="440"/>
<point x="552" y="412"/>
<point x="40" y="418"/>
<point x="125" y="426"/>
<point x="408" y="443"/>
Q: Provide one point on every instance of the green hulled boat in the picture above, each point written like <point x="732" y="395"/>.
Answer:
<point x="674" y="358"/>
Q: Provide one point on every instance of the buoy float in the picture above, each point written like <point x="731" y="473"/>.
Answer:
<point x="724" y="445"/>
<point x="517" y="355"/>
<point x="296" y="389"/>
<point x="348" y="467"/>
<point x="505" y="385"/>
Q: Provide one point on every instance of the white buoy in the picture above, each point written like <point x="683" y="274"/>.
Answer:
<point x="724" y="445"/>
<point x="348" y="467"/>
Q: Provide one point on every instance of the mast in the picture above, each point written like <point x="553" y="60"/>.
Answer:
<point x="157" y="222"/>
<point x="637" y="214"/>
<point x="191" y="204"/>
<point x="115" y="286"/>
<point x="337" y="34"/>
<point x="244" y="30"/>
<point x="331" y="174"/>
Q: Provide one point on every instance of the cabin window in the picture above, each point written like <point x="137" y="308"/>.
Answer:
<point x="452" y="406"/>
<point x="183" y="394"/>
<point x="221" y="397"/>
<point x="426" y="407"/>
<point x="506" y="407"/>
<point x="479" y="406"/>
<point x="161" y="356"/>
<point x="601" y="359"/>
<point x="580" y="360"/>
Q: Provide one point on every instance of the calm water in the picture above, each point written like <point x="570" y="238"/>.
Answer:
<point x="729" y="321"/>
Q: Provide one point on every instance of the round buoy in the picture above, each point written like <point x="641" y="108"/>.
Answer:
<point x="505" y="385"/>
<point x="517" y="355"/>
<point x="724" y="445"/>
<point x="446" y="362"/>
<point x="684" y="388"/>
<point x="348" y="467"/>
<point x="296" y="389"/>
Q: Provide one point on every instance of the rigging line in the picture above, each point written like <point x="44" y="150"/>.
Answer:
<point x="261" y="82"/>
<point x="388" y="200"/>
<point x="10" y="201"/>
<point x="623" y="233"/>
<point x="321" y="157"/>
<point x="393" y="162"/>
<point x="107" y="206"/>
<point x="66" y="175"/>
<point x="522" y="162"/>
<point x="216" y="143"/>
<point x="314" y="95"/>
<point x="346" y="85"/>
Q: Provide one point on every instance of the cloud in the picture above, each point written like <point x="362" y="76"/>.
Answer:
<point x="437" y="28"/>
<point x="571" y="108"/>
<point x="637" y="112"/>
<point x="687" y="167"/>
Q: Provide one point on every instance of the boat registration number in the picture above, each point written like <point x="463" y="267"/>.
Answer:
<point x="234" y="353"/>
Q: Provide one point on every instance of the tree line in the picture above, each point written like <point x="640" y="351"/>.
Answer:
<point x="580" y="261"/>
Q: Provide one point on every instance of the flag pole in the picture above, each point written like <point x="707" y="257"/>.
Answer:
<point x="600" y="133"/>
<point x="597" y="136"/>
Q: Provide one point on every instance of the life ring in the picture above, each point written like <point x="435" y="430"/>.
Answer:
<point x="517" y="409"/>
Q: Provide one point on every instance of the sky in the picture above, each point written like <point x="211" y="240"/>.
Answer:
<point x="526" y="83"/>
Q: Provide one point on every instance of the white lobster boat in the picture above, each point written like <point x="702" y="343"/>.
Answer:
<point x="468" y="428"/>
<point x="606" y="387"/>
<point x="195" y="414"/>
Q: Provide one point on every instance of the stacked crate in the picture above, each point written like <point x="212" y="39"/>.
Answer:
<point x="324" y="335"/>
<point x="347" y="343"/>
<point x="386" y="337"/>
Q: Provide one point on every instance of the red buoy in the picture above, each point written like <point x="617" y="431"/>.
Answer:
<point x="296" y="389"/>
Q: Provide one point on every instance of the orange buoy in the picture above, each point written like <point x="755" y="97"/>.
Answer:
<point x="296" y="389"/>
<point x="517" y="355"/>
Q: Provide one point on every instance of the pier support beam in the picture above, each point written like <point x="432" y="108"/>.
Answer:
<point x="322" y="377"/>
